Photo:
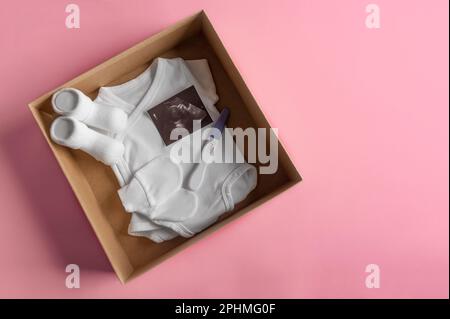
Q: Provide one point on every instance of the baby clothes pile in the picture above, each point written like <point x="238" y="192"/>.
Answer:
<point x="126" y="127"/>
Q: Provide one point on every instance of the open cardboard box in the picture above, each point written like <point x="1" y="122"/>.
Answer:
<point x="95" y="185"/>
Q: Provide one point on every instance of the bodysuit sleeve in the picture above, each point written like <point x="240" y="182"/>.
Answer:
<point x="201" y="72"/>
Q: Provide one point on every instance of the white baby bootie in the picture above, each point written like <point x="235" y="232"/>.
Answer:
<point x="70" y="132"/>
<point x="74" y="103"/>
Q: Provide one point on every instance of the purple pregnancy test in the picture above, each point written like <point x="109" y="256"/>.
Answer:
<point x="198" y="171"/>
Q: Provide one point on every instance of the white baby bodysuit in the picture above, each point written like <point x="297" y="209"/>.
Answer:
<point x="152" y="185"/>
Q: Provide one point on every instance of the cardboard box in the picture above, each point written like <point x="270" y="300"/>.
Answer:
<point x="95" y="185"/>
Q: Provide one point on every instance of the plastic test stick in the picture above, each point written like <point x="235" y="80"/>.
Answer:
<point x="198" y="171"/>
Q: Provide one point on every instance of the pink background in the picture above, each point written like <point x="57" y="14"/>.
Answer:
<point x="363" y="113"/>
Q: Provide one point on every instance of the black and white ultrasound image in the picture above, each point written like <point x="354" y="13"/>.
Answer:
<point x="179" y="111"/>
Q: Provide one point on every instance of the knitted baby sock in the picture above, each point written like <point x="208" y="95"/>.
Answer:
<point x="72" y="133"/>
<point x="72" y="102"/>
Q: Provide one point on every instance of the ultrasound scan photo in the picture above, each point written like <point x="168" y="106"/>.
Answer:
<point x="179" y="111"/>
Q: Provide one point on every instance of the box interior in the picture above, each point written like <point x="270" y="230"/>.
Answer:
<point x="95" y="184"/>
